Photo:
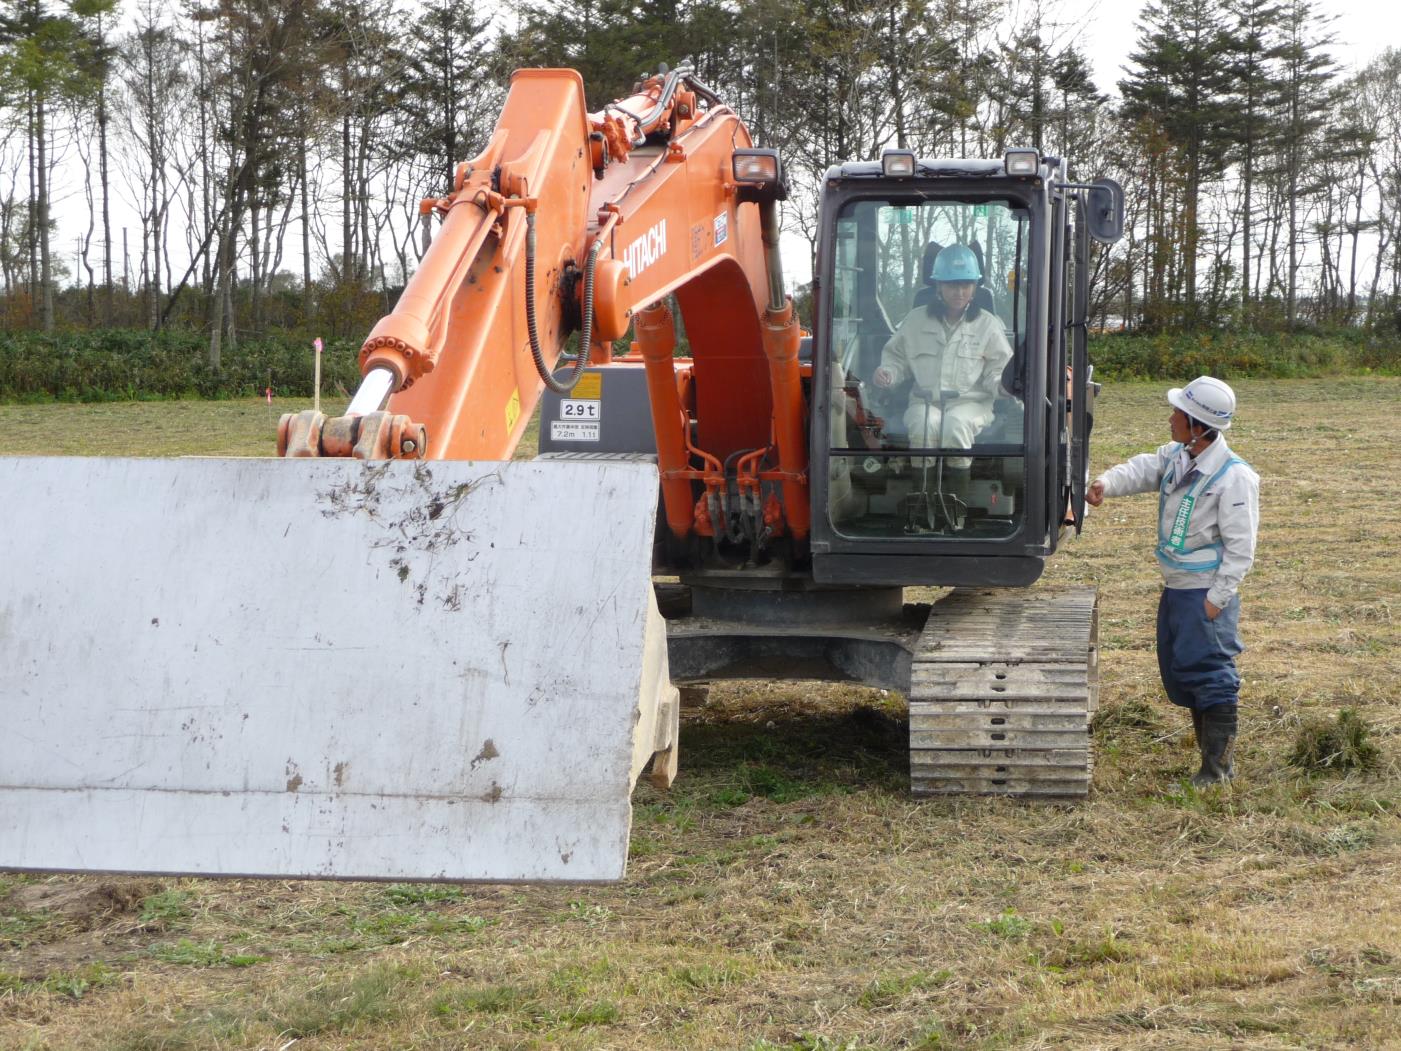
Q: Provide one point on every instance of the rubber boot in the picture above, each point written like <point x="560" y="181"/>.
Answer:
<point x="1217" y="741"/>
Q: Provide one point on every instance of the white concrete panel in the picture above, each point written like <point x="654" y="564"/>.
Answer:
<point x="324" y="668"/>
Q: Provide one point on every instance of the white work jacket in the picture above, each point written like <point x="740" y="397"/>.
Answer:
<point x="1210" y="542"/>
<point x="967" y="356"/>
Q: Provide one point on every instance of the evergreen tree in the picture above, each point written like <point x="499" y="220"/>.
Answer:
<point x="614" y="43"/>
<point x="38" y="69"/>
<point x="1046" y="92"/>
<point x="1257" y="53"/>
<point x="965" y="58"/>
<point x="1183" y="83"/>
<point x="1308" y="97"/>
<point x="445" y="110"/>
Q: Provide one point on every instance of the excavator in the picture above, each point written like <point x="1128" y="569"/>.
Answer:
<point x="396" y="652"/>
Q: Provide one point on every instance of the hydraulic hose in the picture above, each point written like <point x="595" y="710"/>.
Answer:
<point x="734" y="533"/>
<point x="585" y="334"/>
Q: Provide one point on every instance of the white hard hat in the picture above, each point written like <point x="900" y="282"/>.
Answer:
<point x="1207" y="400"/>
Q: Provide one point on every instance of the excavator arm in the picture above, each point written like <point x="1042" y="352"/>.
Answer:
<point x="570" y="222"/>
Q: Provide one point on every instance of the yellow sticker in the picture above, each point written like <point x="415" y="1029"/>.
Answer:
<point x="513" y="410"/>
<point x="590" y="386"/>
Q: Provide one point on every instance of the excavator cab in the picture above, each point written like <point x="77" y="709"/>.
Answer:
<point x="949" y="432"/>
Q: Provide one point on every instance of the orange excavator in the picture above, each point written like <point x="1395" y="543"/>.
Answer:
<point x="494" y="654"/>
<point x="569" y="222"/>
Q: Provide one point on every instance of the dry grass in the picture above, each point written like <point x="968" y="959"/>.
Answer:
<point x="787" y="894"/>
<point x="143" y="428"/>
<point x="246" y="427"/>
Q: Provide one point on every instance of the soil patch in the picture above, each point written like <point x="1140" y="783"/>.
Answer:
<point x="82" y="904"/>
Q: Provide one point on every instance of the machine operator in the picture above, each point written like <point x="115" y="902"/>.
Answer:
<point x="1208" y="517"/>
<point x="955" y="353"/>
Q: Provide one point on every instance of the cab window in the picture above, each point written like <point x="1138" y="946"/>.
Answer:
<point x="928" y="318"/>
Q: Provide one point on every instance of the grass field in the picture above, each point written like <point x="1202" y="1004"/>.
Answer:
<point x="788" y="894"/>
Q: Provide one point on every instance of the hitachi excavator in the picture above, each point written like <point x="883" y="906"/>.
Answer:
<point x="396" y="653"/>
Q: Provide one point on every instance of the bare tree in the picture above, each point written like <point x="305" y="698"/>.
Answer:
<point x="40" y="67"/>
<point x="96" y="17"/>
<point x="155" y="83"/>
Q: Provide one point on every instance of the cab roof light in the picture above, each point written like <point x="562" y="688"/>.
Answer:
<point x="1022" y="163"/>
<point x="756" y="167"/>
<point x="897" y="164"/>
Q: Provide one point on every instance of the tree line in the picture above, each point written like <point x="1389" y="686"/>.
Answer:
<point x="274" y="151"/>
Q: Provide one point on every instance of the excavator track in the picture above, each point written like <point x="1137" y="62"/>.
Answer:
<point x="1002" y="689"/>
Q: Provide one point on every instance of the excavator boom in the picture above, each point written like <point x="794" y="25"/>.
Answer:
<point x="570" y="222"/>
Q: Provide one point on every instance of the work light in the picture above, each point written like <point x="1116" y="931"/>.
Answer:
<point x="897" y="164"/>
<point x="1023" y="163"/>
<point x="756" y="167"/>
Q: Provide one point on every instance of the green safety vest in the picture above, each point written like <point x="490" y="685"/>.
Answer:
<point x="1173" y="551"/>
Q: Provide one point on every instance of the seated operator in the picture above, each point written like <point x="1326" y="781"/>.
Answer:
<point x="955" y="352"/>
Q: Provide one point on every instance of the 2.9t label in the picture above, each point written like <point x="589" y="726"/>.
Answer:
<point x="571" y="409"/>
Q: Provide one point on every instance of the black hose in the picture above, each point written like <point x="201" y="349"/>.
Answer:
<point x="740" y="534"/>
<point x="701" y="90"/>
<point x="586" y="333"/>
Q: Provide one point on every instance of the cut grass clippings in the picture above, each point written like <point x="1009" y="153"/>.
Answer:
<point x="1336" y="745"/>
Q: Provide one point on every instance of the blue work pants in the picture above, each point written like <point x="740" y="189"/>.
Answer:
<point x="1197" y="656"/>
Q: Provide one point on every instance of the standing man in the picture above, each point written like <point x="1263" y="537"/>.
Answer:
<point x="1208" y="517"/>
<point x="955" y="353"/>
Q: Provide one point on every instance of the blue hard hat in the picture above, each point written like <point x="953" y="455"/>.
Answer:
<point x="956" y="263"/>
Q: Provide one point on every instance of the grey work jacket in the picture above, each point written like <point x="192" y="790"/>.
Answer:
<point x="1227" y="512"/>
<point x="966" y="356"/>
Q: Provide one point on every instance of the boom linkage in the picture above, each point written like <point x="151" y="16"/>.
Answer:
<point x="574" y="222"/>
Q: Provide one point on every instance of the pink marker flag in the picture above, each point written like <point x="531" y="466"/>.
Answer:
<point x="317" y="344"/>
<point x="269" y="394"/>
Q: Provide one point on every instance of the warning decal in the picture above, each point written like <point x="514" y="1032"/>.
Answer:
<point x="590" y="385"/>
<point x="513" y="410"/>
